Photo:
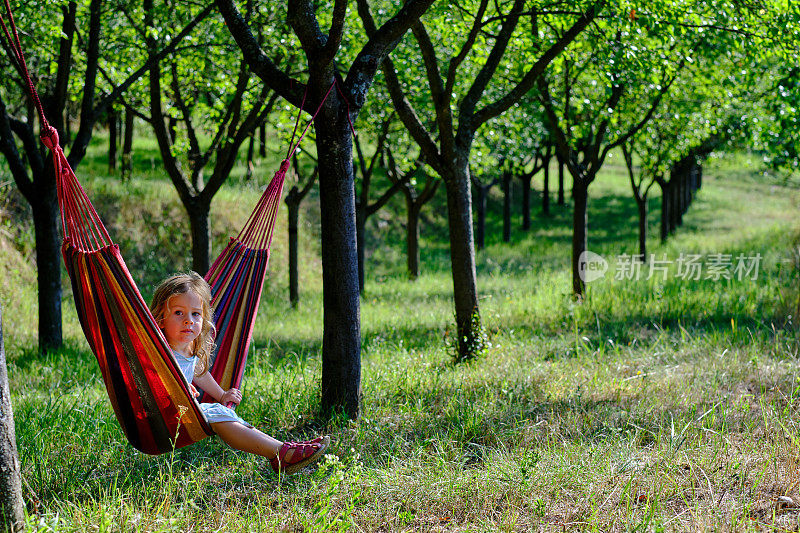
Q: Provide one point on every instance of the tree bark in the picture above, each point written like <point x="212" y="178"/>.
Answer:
<point x="250" y="153"/>
<point x="462" y="259"/>
<point x="580" y="195"/>
<point x="262" y="140"/>
<point x="507" y="206"/>
<point x="560" y="200"/>
<point x="641" y="204"/>
<point x="198" y="212"/>
<point x="127" y="145"/>
<point x="46" y="222"/>
<point x="11" y="505"/>
<point x="293" y="205"/>
<point x="341" y="340"/>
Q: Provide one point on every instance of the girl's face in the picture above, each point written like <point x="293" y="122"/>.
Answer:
<point x="183" y="321"/>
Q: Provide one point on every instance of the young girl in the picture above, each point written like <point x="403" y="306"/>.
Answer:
<point x="182" y="309"/>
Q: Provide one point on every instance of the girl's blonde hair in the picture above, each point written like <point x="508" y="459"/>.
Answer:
<point x="203" y="345"/>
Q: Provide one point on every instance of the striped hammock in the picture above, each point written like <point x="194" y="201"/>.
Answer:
<point x="147" y="390"/>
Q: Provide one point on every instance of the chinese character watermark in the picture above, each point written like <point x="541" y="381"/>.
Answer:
<point x="687" y="267"/>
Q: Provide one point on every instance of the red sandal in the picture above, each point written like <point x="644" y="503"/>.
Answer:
<point x="294" y="456"/>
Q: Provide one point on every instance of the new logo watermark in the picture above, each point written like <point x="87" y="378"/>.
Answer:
<point x="591" y="266"/>
<point x="693" y="267"/>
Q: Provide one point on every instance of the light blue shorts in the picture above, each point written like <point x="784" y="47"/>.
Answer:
<point x="216" y="412"/>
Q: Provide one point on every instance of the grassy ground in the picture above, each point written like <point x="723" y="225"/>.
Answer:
<point x="657" y="405"/>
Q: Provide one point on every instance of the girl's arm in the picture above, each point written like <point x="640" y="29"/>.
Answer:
<point x="210" y="385"/>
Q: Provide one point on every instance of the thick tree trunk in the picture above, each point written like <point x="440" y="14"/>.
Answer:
<point x="12" y="512"/>
<point x="293" y="208"/>
<point x="462" y="258"/>
<point x="507" y="206"/>
<point x="127" y="145"/>
<point x="526" y="202"/>
<point x="341" y="340"/>
<point x="412" y="240"/>
<point x="201" y="236"/>
<point x="480" y="211"/>
<point x="580" y="195"/>
<point x="641" y="204"/>
<point x="112" y="142"/>
<point x="46" y="221"/>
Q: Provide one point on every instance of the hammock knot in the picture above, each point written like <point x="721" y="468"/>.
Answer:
<point x="284" y="166"/>
<point x="49" y="137"/>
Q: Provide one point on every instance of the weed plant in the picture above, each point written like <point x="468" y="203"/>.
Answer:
<point x="660" y="404"/>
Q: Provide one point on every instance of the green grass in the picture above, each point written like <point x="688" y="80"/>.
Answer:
<point x="653" y="406"/>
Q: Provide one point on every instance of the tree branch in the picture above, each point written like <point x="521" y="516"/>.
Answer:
<point x="335" y="32"/>
<point x="455" y="61"/>
<point x="536" y="70"/>
<point x="258" y="61"/>
<point x="380" y="43"/>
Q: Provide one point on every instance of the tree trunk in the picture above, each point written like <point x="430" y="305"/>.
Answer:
<point x="262" y="140"/>
<point x="641" y="203"/>
<point x="293" y="205"/>
<point x="412" y="240"/>
<point x="13" y="513"/>
<point x="462" y="258"/>
<point x="127" y="145"/>
<point x="526" y="202"/>
<point x="507" y="206"/>
<point x="341" y="340"/>
<point x="112" y="141"/>
<point x="699" y="183"/>
<point x="580" y="194"/>
<point x="46" y="221"/>
<point x="546" y="189"/>
<point x="250" y="152"/>
<point x="480" y="210"/>
<point x="560" y="200"/>
<point x="201" y="236"/>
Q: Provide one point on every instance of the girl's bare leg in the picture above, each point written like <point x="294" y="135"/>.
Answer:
<point x="247" y="439"/>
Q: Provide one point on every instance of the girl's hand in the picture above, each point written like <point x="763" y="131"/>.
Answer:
<point x="193" y="391"/>
<point x="231" y="396"/>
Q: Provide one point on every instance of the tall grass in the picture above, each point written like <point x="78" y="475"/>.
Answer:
<point x="656" y="405"/>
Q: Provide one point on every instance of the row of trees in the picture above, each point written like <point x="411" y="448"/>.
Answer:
<point x="476" y="85"/>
